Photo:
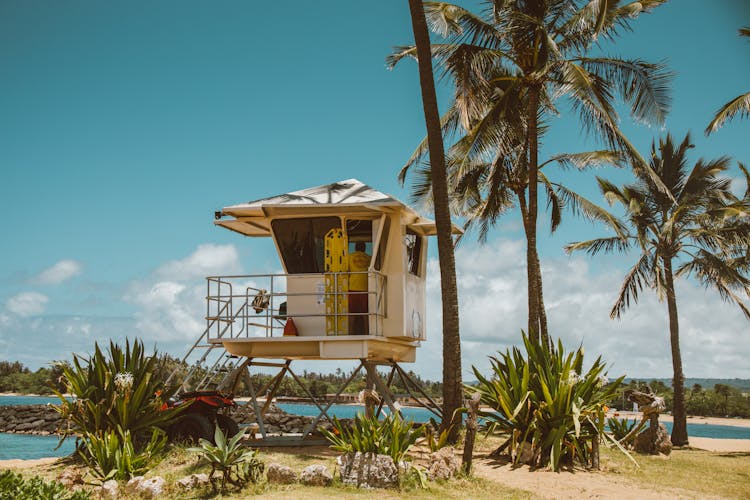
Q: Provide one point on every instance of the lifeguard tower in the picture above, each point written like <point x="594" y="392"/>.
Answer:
<point x="308" y="312"/>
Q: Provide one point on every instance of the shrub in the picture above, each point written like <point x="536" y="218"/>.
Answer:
<point x="620" y="427"/>
<point x="114" y="391"/>
<point x="544" y="401"/>
<point x="112" y="455"/>
<point x="231" y="458"/>
<point x="14" y="487"/>
<point x="392" y="436"/>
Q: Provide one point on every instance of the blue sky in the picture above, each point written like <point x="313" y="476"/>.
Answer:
<point x="124" y="125"/>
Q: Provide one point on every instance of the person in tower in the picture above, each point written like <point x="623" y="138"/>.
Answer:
<point x="359" y="263"/>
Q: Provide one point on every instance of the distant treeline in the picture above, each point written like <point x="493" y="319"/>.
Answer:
<point x="721" y="400"/>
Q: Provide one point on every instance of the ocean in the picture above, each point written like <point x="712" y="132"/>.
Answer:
<point x="26" y="446"/>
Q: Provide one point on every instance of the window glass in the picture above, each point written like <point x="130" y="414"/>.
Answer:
<point x="302" y="242"/>
<point x="413" y="244"/>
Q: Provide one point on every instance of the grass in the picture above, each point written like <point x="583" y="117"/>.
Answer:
<point x="697" y="471"/>
<point x="691" y="473"/>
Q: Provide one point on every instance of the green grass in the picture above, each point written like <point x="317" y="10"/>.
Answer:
<point x="697" y="471"/>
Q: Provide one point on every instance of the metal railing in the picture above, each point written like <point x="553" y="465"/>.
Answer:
<point x="259" y="305"/>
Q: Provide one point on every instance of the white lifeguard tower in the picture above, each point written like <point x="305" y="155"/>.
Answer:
<point x="308" y="311"/>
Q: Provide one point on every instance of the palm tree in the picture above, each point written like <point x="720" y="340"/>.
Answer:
<point x="740" y="105"/>
<point x="452" y="386"/>
<point x="510" y="65"/>
<point x="701" y="228"/>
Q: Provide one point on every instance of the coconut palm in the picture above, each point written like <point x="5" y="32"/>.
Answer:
<point x="452" y="386"/>
<point x="701" y="229"/>
<point x="510" y="65"/>
<point x="740" y="105"/>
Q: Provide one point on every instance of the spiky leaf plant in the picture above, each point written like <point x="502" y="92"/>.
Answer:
<point x="549" y="408"/>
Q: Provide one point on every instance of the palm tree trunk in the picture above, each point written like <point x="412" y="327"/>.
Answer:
<point x="679" y="427"/>
<point x="533" y="270"/>
<point x="452" y="387"/>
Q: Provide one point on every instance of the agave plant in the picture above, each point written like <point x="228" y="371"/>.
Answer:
<point x="114" y="390"/>
<point x="545" y="403"/>
<point x="112" y="454"/>
<point x="620" y="427"/>
<point x="392" y="436"/>
<point x="236" y="463"/>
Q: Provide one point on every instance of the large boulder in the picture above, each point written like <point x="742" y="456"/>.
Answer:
<point x="280" y="474"/>
<point x="193" y="481"/>
<point x="152" y="487"/>
<point x="442" y="464"/>
<point x="368" y="470"/>
<point x="316" y="475"/>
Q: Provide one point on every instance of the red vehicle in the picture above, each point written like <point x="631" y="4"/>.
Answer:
<point x="200" y="418"/>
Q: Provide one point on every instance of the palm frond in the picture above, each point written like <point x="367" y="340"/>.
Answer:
<point x="588" y="159"/>
<point x="638" y="277"/>
<point x="717" y="272"/>
<point x="583" y="207"/>
<point x="740" y="105"/>
<point x="645" y="86"/>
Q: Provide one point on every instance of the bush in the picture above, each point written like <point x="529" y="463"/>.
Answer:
<point x="231" y="458"/>
<point x="114" y="391"/>
<point x="620" y="427"/>
<point x="545" y="403"/>
<point x="392" y="436"/>
<point x="14" y="487"/>
<point x="112" y="455"/>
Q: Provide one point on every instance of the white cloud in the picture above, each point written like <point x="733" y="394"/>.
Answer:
<point x="60" y="272"/>
<point x="171" y="302"/>
<point x="493" y="308"/>
<point x="27" y="303"/>
<point x="207" y="260"/>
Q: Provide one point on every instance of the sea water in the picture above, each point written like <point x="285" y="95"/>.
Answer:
<point x="27" y="446"/>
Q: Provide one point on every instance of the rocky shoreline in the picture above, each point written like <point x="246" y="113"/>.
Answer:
<point x="43" y="420"/>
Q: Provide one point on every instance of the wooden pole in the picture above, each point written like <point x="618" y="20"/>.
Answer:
<point x="471" y="431"/>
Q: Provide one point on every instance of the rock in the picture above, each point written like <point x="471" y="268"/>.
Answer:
<point x="110" y="489"/>
<point x="280" y="474"/>
<point x="70" y="477"/>
<point x="647" y="443"/>
<point x="193" y="481"/>
<point x="368" y="470"/>
<point x="151" y="487"/>
<point x="316" y="475"/>
<point x="525" y="453"/>
<point x="442" y="464"/>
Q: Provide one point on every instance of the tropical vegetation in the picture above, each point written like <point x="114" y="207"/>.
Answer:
<point x="14" y="486"/>
<point x="230" y="457"/>
<point x="739" y="106"/>
<point x="392" y="436"/>
<point x="112" y="390"/>
<point x="112" y="455"/>
<point x="697" y="227"/>
<point x="510" y="65"/>
<point x="551" y="411"/>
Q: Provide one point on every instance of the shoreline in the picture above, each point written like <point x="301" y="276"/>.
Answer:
<point x="697" y="420"/>
<point x="691" y="419"/>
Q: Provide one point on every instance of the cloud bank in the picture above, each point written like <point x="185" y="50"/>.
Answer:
<point x="493" y="308"/>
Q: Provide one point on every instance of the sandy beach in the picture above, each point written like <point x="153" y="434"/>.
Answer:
<point x="731" y="422"/>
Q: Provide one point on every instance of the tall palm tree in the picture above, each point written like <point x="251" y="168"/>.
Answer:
<point x="510" y="65"/>
<point x="701" y="229"/>
<point x="452" y="386"/>
<point x="740" y="105"/>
